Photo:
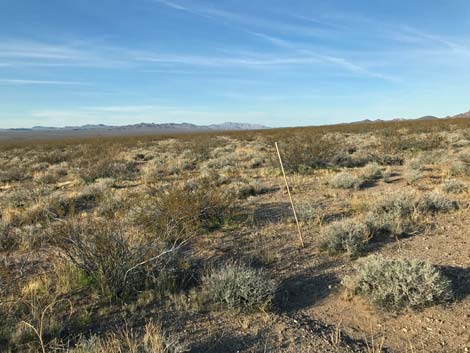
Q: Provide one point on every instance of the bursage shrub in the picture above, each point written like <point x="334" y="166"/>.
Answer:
<point x="395" y="284"/>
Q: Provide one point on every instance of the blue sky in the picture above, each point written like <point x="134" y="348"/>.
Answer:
<point x="273" y="62"/>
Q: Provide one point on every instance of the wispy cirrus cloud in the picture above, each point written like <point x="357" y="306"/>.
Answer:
<point x="342" y="62"/>
<point x="34" y="50"/>
<point x="409" y="34"/>
<point x="229" y="61"/>
<point x="9" y="81"/>
<point x="244" y="21"/>
<point x="304" y="56"/>
<point x="122" y="108"/>
<point x="27" y="53"/>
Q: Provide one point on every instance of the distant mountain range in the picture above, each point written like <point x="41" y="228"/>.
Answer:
<point x="44" y="132"/>
<point x="148" y="127"/>
<point x="427" y="117"/>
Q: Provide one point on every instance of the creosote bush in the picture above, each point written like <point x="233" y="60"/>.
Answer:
<point x="182" y="211"/>
<point x="305" y="152"/>
<point x="120" y="260"/>
<point x="396" y="284"/>
<point x="237" y="286"/>
<point x="107" y="167"/>
<point x="349" y="236"/>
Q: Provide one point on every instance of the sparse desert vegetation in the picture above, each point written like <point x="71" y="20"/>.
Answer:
<point x="187" y="243"/>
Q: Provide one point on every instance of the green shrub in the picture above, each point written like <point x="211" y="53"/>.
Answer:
<point x="347" y="236"/>
<point x="345" y="180"/>
<point x="236" y="286"/>
<point x="396" y="284"/>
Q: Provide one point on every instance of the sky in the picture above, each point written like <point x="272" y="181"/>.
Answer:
<point x="271" y="62"/>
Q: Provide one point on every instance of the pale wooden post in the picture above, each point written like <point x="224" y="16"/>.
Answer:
<point x="301" y="238"/>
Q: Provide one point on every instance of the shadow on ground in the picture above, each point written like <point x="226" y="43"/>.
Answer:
<point x="460" y="278"/>
<point x="272" y="212"/>
<point x="229" y="342"/>
<point x="303" y="290"/>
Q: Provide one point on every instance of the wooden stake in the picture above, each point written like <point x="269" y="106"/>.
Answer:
<point x="301" y="238"/>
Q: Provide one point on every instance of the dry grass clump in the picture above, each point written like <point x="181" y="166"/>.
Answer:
<point x="59" y="205"/>
<point x="454" y="186"/>
<point x="349" y="236"/>
<point x="237" y="286"/>
<point x="153" y="340"/>
<point x="396" y="284"/>
<point x="345" y="180"/>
